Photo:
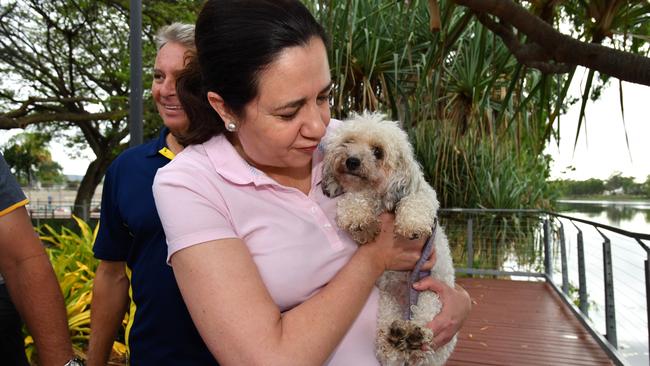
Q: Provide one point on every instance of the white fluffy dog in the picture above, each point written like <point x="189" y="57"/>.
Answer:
<point x="370" y="161"/>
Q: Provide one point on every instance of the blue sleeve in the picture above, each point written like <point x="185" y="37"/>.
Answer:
<point x="114" y="240"/>
<point x="11" y="196"/>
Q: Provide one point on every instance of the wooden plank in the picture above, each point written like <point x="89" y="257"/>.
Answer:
<point x="522" y="323"/>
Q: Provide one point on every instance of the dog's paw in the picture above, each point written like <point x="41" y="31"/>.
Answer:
<point x="412" y="220"/>
<point x="411" y="232"/>
<point x="390" y="350"/>
<point x="418" y="338"/>
<point x="396" y="336"/>
<point x="364" y="233"/>
<point x="404" y="335"/>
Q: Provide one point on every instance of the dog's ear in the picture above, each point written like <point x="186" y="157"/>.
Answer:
<point x="331" y="188"/>
<point x="402" y="181"/>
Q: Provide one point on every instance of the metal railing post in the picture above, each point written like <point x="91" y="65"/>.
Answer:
<point x="565" y="269"/>
<point x="547" y="251"/>
<point x="647" y="290"/>
<point x="470" y="244"/>
<point x="582" y="278"/>
<point x="610" y="307"/>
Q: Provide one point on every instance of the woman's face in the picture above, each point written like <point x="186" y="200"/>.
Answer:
<point x="282" y="126"/>
<point x="170" y="61"/>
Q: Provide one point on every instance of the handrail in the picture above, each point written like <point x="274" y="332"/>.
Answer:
<point x="609" y="342"/>
<point x="638" y="236"/>
<point x="641" y="236"/>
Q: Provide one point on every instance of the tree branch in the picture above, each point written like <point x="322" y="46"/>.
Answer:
<point x="563" y="49"/>
<point x="529" y="54"/>
<point x="8" y="122"/>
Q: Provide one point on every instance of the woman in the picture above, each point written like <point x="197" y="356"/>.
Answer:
<point x="131" y="242"/>
<point x="266" y="275"/>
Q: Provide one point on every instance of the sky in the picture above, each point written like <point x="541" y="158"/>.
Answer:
<point x="58" y="150"/>
<point x="600" y="152"/>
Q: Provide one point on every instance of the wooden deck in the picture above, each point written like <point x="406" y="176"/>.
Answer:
<point x="522" y="323"/>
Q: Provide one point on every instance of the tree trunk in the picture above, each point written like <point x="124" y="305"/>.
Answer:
<point x="89" y="183"/>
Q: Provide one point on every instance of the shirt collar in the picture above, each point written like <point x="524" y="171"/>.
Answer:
<point x="159" y="143"/>
<point x="231" y="166"/>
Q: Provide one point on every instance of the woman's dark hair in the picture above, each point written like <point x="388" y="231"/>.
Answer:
<point x="236" y="40"/>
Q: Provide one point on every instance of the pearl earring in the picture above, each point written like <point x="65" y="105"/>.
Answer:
<point x="231" y="126"/>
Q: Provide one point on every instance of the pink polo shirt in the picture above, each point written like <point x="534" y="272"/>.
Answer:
<point x="209" y="192"/>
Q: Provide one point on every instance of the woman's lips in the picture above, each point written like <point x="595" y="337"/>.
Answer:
<point x="308" y="150"/>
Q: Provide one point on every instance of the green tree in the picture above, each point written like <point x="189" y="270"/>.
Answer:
<point x="645" y="187"/>
<point x="618" y="181"/>
<point x="591" y="186"/>
<point x="30" y="160"/>
<point x="477" y="86"/>
<point x="65" y="68"/>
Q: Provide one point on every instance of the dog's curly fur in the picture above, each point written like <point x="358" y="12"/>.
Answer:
<point x="370" y="161"/>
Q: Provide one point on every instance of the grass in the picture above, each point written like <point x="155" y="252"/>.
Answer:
<point x="602" y="197"/>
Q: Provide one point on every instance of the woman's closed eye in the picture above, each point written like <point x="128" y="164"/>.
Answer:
<point x="288" y="115"/>
<point x="323" y="98"/>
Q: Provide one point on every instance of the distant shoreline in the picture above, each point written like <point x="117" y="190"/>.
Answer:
<point x="605" y="201"/>
<point x="606" y="198"/>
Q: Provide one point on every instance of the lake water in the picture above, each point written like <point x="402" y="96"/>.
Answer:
<point x="628" y="258"/>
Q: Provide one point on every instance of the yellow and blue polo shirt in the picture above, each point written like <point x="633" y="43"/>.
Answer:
<point x="11" y="195"/>
<point x="161" y="331"/>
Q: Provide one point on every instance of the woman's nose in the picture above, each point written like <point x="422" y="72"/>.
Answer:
<point x="314" y="126"/>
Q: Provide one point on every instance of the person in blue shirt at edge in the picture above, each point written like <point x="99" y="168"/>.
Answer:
<point x="131" y="242"/>
<point x="28" y="286"/>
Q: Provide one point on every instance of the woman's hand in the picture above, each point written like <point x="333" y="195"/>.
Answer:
<point x="394" y="252"/>
<point x="456" y="305"/>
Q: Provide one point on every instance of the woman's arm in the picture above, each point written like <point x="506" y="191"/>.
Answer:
<point x="241" y="324"/>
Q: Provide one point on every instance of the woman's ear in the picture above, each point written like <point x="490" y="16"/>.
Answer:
<point x="217" y="103"/>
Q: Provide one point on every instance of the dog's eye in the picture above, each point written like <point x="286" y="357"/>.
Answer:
<point x="348" y="141"/>
<point x="378" y="152"/>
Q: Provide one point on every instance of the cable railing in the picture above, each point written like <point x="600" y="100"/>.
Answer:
<point x="592" y="266"/>
<point x="40" y="209"/>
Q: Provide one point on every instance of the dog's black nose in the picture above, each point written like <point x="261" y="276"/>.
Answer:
<point x="352" y="163"/>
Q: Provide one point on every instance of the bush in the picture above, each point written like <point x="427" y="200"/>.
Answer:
<point x="470" y="171"/>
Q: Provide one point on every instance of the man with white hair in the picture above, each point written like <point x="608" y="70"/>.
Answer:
<point x="133" y="274"/>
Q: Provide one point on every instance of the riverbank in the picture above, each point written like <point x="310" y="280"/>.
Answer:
<point x="608" y="198"/>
